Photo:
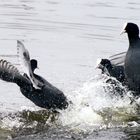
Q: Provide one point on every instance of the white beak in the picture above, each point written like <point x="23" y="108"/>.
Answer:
<point x="99" y="66"/>
<point x="123" y="29"/>
<point x="122" y="32"/>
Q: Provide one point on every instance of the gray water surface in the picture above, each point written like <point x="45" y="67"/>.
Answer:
<point x="67" y="37"/>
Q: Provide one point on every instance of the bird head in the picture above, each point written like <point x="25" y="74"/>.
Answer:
<point x="33" y="64"/>
<point x="104" y="63"/>
<point x="131" y="29"/>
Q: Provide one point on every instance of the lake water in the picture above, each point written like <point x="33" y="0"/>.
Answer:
<point x="67" y="37"/>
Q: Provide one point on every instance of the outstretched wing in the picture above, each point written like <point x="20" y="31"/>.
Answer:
<point x="118" y="59"/>
<point x="24" y="59"/>
<point x="10" y="73"/>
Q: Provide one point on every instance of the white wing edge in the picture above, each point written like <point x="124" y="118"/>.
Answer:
<point x="24" y="59"/>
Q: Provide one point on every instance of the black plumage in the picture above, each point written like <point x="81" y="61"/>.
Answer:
<point x="132" y="59"/>
<point x="112" y="70"/>
<point x="45" y="96"/>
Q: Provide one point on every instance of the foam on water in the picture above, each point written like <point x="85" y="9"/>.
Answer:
<point x="95" y="102"/>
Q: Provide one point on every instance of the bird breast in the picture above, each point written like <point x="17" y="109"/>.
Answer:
<point x="132" y="64"/>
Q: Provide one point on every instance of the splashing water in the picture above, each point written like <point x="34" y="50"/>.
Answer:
<point x="97" y="103"/>
<point x="101" y="102"/>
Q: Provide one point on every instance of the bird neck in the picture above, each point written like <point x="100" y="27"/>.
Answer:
<point x="133" y="39"/>
<point x="109" y="66"/>
<point x="33" y="69"/>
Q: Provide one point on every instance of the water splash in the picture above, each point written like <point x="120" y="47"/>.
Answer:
<point x="100" y="101"/>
